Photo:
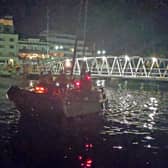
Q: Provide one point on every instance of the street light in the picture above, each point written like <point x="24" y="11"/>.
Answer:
<point x="103" y="52"/>
<point x="56" y="47"/>
<point x="59" y="47"/>
<point x="98" y="52"/>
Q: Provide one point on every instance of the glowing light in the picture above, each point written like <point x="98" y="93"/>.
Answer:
<point x="56" y="47"/>
<point x="154" y="59"/>
<point x="68" y="63"/>
<point x="39" y="89"/>
<point x="88" y="77"/>
<point x="91" y="145"/>
<point x="104" y="58"/>
<point x="57" y="84"/>
<point x="127" y="57"/>
<point x="77" y="83"/>
<point x="103" y="52"/>
<point x="80" y="157"/>
<point x="31" y="83"/>
<point x="98" y="52"/>
<point x="85" y="58"/>
<point x="11" y="61"/>
<point x="89" y="161"/>
<point x="117" y="147"/>
<point x="72" y="49"/>
<point x="61" y="47"/>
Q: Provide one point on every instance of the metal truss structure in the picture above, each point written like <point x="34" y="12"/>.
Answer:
<point x="118" y="66"/>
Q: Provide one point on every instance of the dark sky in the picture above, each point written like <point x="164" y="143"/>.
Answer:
<point x="121" y="26"/>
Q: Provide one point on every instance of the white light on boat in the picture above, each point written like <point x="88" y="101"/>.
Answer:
<point x="57" y="84"/>
<point x="31" y="83"/>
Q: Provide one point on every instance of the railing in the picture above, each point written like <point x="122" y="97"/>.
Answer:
<point x="118" y="66"/>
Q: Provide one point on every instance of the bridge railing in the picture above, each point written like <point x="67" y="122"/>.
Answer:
<point x="118" y="66"/>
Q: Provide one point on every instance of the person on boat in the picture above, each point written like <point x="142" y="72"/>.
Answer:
<point x="103" y="99"/>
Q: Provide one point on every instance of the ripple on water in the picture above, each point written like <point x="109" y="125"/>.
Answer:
<point x="134" y="112"/>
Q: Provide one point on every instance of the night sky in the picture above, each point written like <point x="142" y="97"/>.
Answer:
<point x="135" y="27"/>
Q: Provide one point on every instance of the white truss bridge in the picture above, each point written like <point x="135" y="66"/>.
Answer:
<point x="134" y="67"/>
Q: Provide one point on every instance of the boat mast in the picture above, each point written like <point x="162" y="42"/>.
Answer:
<point x="85" y="26"/>
<point x="77" y="36"/>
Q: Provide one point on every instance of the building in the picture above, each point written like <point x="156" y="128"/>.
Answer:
<point x="28" y="52"/>
<point x="64" y="44"/>
<point x="8" y="42"/>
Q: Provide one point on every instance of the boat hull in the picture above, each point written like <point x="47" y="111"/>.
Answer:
<point x="74" y="104"/>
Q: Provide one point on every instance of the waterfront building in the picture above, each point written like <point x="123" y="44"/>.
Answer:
<point x="63" y="44"/>
<point x="28" y="52"/>
<point x="36" y="51"/>
<point x="8" y="43"/>
<point x="32" y="52"/>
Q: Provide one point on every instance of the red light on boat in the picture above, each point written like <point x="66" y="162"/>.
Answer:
<point x="77" y="84"/>
<point x="89" y="161"/>
<point x="40" y="89"/>
<point x="88" y="165"/>
<point x="88" y="145"/>
<point x="80" y="157"/>
<point x="88" y="77"/>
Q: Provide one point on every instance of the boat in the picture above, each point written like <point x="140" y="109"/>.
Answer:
<point x="49" y="101"/>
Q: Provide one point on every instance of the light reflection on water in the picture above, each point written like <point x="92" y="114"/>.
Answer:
<point x="136" y="112"/>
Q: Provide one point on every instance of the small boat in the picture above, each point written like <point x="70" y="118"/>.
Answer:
<point x="48" y="101"/>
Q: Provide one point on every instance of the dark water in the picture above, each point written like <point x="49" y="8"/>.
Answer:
<point x="133" y="134"/>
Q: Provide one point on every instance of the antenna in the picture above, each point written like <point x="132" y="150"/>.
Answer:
<point x="47" y="31"/>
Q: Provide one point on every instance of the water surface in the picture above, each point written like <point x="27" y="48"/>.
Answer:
<point x="133" y="133"/>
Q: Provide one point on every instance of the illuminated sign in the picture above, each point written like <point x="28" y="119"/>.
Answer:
<point x="6" y="22"/>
